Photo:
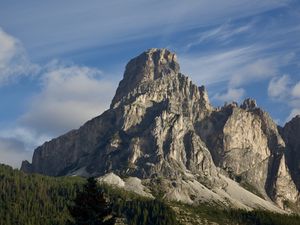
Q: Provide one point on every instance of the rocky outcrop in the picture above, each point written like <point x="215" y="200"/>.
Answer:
<point x="245" y="142"/>
<point x="147" y="67"/>
<point x="131" y="184"/>
<point x="161" y="126"/>
<point x="291" y="135"/>
<point x="148" y="131"/>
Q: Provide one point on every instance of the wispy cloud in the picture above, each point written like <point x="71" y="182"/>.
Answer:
<point x="279" y="87"/>
<point x="221" y="34"/>
<point x="294" y="112"/>
<point x="294" y="101"/>
<point x="283" y="89"/>
<point x="231" y="95"/>
<point x="13" y="60"/>
<point x="296" y="90"/>
<point x="12" y="152"/>
<point x="70" y="96"/>
<point x="54" y="26"/>
<point x="236" y="66"/>
<point x="28" y="137"/>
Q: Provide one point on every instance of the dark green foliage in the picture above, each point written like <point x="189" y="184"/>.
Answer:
<point x="41" y="200"/>
<point x="240" y="217"/>
<point x="35" y="199"/>
<point x="139" y="210"/>
<point x="263" y="218"/>
<point x="90" y="206"/>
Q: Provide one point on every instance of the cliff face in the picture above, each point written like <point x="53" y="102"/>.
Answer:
<point x="291" y="135"/>
<point x="160" y="124"/>
<point x="149" y="129"/>
<point x="245" y="142"/>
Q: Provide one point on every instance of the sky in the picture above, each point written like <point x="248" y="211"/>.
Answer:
<point x="61" y="61"/>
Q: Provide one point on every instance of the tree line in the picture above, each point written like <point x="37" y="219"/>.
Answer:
<point x="32" y="199"/>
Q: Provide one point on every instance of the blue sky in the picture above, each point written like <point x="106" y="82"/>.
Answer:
<point x="61" y="61"/>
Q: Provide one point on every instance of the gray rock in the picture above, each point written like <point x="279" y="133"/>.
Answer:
<point x="161" y="125"/>
<point x="148" y="131"/>
<point x="291" y="135"/>
<point x="248" y="104"/>
<point x="245" y="142"/>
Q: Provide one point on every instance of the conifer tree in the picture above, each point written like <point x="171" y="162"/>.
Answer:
<point x="90" y="206"/>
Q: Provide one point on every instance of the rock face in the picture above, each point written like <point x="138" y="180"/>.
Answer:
<point x="291" y="135"/>
<point x="245" y="142"/>
<point x="160" y="124"/>
<point x="148" y="130"/>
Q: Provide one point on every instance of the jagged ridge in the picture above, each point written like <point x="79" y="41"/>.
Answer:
<point x="162" y="125"/>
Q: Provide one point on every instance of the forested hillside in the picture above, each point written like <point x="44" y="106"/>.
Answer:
<point x="36" y="199"/>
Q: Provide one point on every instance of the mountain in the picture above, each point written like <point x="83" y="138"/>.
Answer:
<point x="161" y="129"/>
<point x="245" y="142"/>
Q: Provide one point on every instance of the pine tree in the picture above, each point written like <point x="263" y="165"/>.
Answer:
<point x="90" y="206"/>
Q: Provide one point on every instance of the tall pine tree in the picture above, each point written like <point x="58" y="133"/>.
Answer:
<point x="90" y="206"/>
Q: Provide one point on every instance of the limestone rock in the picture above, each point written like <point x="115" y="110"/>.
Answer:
<point x="148" y="131"/>
<point x="112" y="179"/>
<point x="147" y="67"/>
<point x="248" y="104"/>
<point x="245" y="142"/>
<point x="130" y="184"/>
<point x="162" y="126"/>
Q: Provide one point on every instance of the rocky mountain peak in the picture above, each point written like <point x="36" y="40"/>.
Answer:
<point x="204" y="94"/>
<point x="249" y="104"/>
<point x="161" y="125"/>
<point x="296" y="119"/>
<point x="148" y="66"/>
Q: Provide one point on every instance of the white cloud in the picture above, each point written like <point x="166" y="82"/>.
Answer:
<point x="279" y="87"/>
<point x="13" y="59"/>
<point x="296" y="90"/>
<point x="294" y="112"/>
<point x="235" y="67"/>
<point x="231" y="95"/>
<point x="282" y="89"/>
<point x="13" y="152"/>
<point x="254" y="71"/>
<point x="70" y="96"/>
<point x="7" y="48"/>
<point x="28" y="137"/>
<point x="17" y="144"/>
<point x="215" y="67"/>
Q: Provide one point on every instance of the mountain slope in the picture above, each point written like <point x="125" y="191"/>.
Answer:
<point x="41" y="200"/>
<point x="161" y="125"/>
<point x="38" y="199"/>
